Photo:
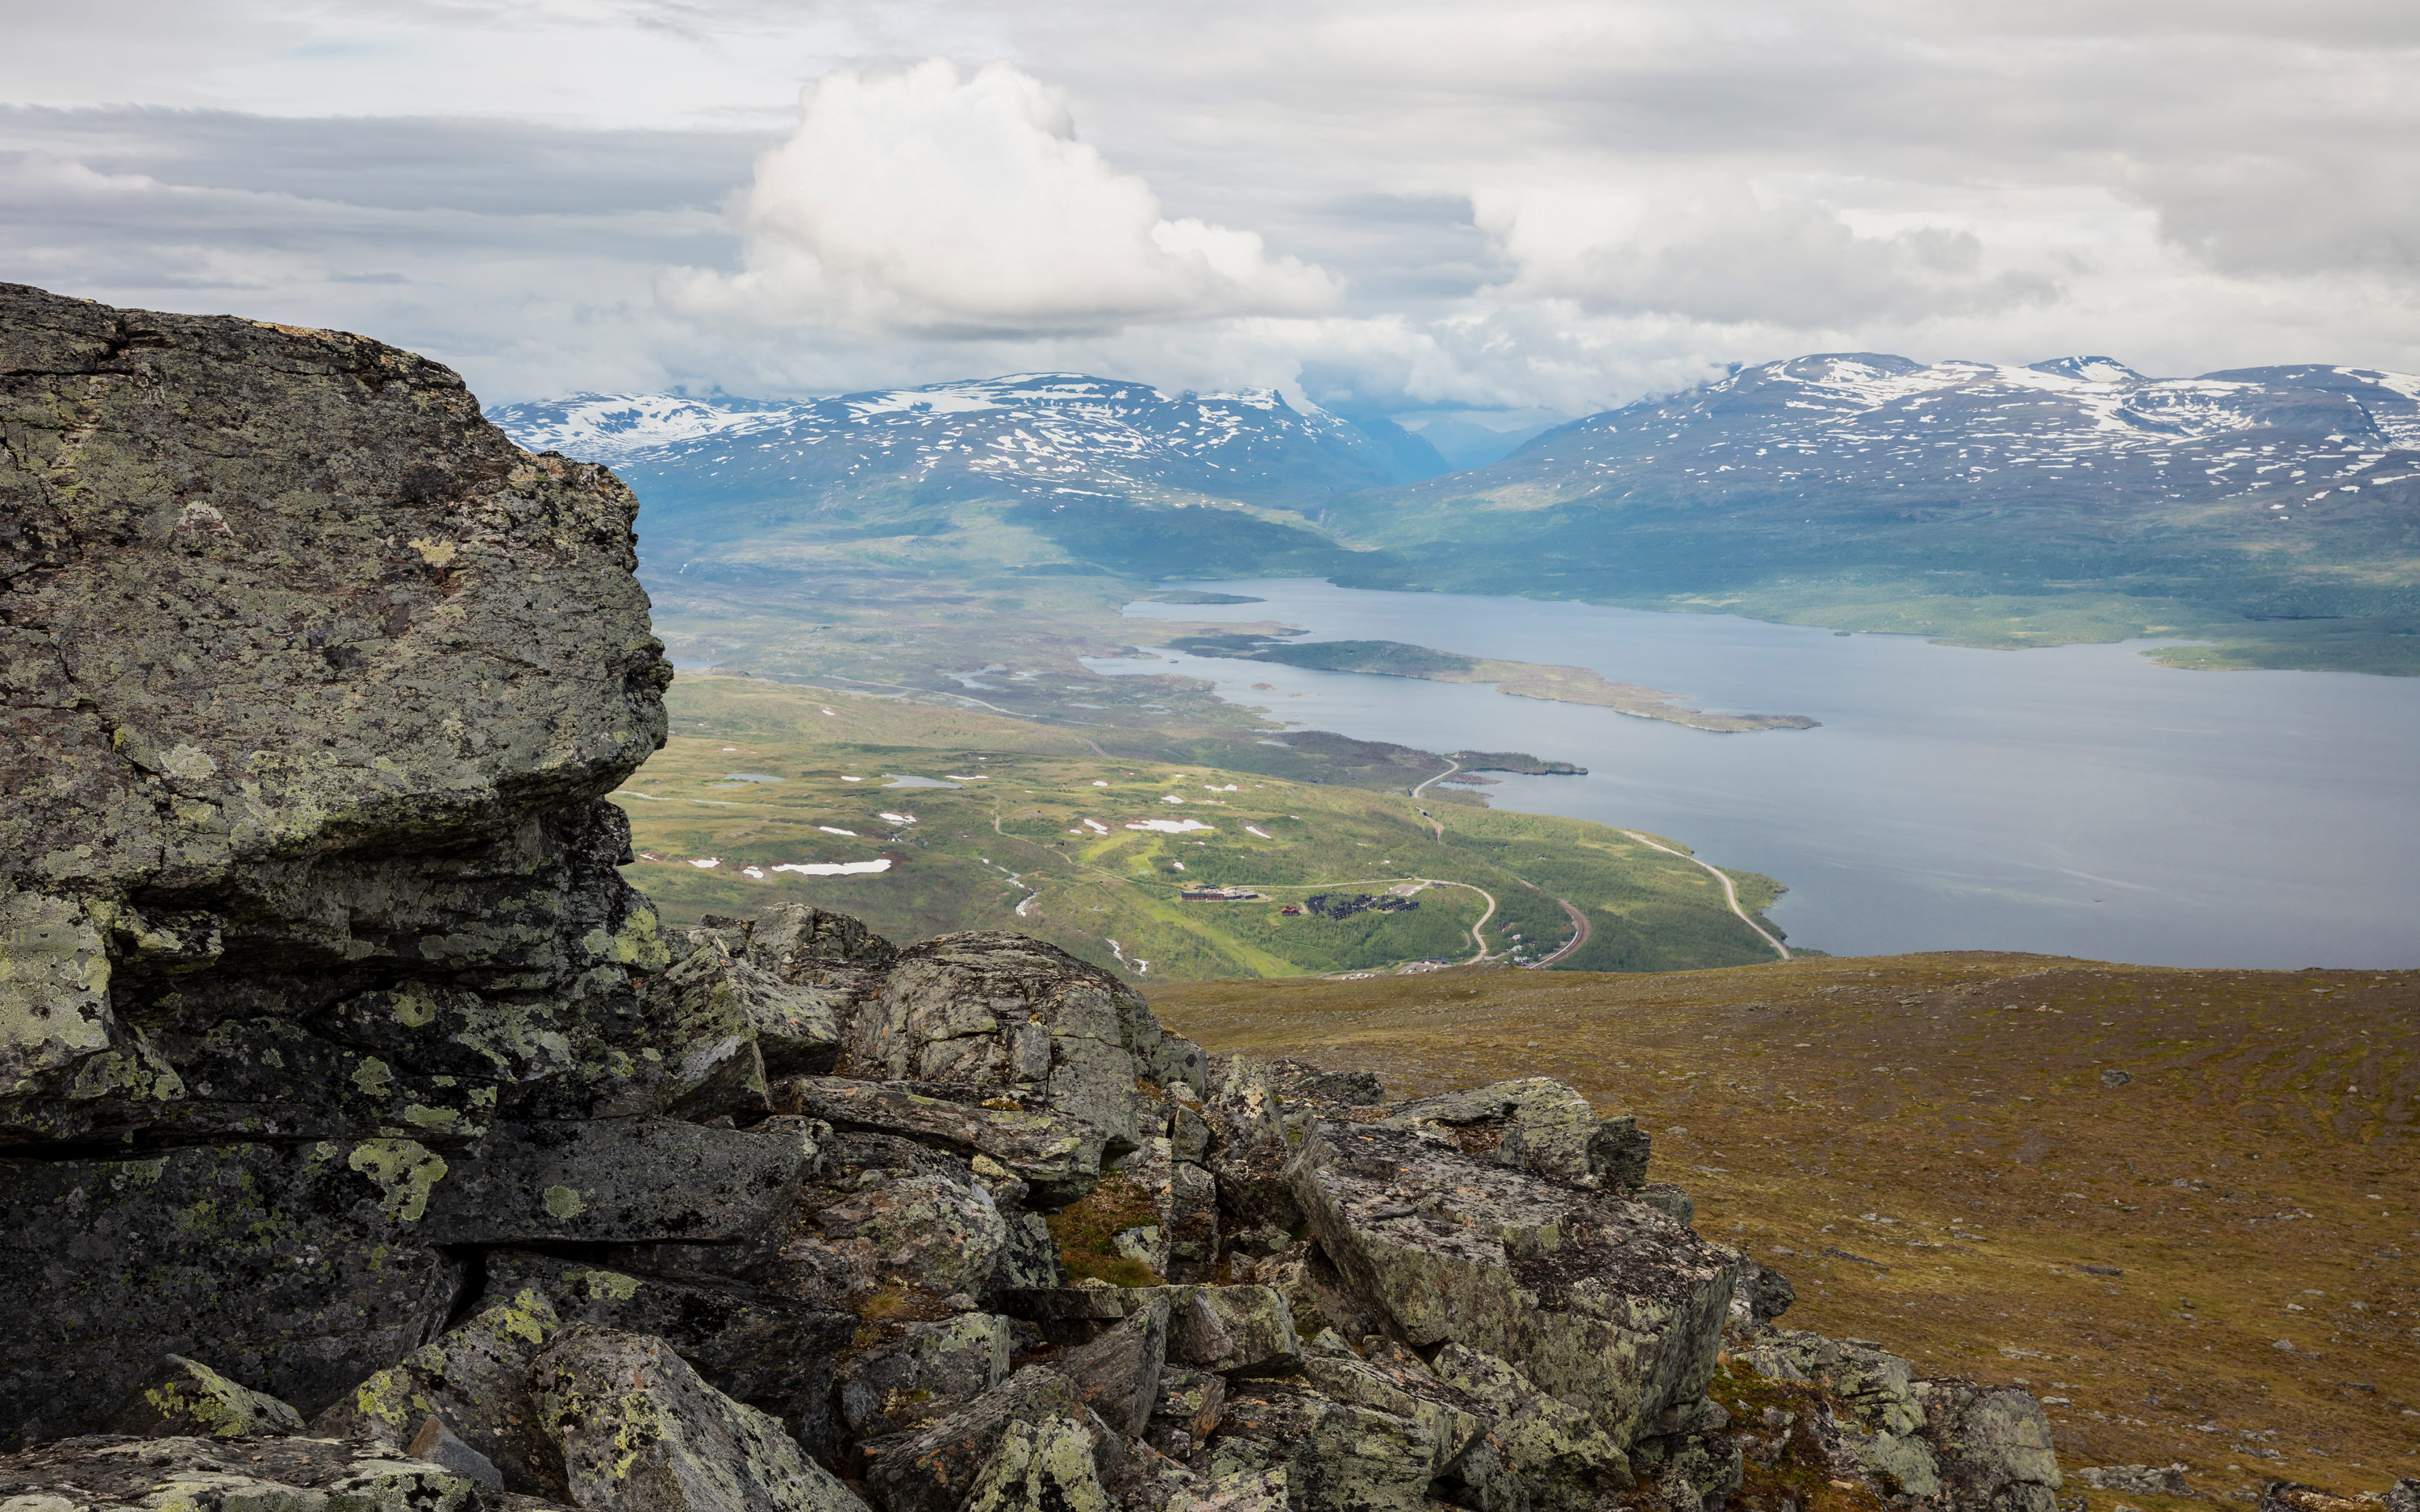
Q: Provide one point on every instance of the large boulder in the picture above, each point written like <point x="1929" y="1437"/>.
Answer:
<point x="1037" y="1413"/>
<point x="279" y="593"/>
<point x="1584" y="1292"/>
<point x="922" y="1371"/>
<point x="639" y="1431"/>
<point x="994" y="1010"/>
<point x="1536" y="1124"/>
<point x="472" y="1381"/>
<point x="774" y="1353"/>
<point x="311" y="687"/>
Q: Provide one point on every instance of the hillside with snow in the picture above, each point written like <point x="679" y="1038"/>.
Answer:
<point x="1029" y="435"/>
<point x="2072" y="499"/>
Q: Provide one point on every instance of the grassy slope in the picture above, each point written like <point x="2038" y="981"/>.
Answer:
<point x="953" y="868"/>
<point x="2261" y="1156"/>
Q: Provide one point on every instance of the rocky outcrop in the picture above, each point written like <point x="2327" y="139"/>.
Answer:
<point x="343" y="1081"/>
<point x="1941" y="1443"/>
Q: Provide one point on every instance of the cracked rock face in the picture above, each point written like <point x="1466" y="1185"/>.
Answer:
<point x="1584" y="1291"/>
<point x="277" y="607"/>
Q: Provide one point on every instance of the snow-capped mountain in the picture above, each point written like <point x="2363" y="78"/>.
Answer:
<point x="1958" y="432"/>
<point x="1027" y="435"/>
<point x="2265" y="493"/>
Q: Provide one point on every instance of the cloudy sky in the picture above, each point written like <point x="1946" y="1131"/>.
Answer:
<point x="1413" y="205"/>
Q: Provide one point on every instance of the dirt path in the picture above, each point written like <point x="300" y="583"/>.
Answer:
<point x="1731" y="894"/>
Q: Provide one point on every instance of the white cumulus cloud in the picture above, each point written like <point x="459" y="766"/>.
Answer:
<point x="928" y="201"/>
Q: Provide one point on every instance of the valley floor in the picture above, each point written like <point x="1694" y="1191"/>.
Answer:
<point x="2180" y="1206"/>
<point x="1091" y="839"/>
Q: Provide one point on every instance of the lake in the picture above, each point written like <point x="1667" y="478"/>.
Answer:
<point x="2080" y="800"/>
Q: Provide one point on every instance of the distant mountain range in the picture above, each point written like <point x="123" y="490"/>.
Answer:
<point x="1028" y="435"/>
<point x="2264" y="493"/>
<point x="2072" y="499"/>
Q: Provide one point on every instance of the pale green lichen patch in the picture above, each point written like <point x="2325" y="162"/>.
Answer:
<point x="611" y="1285"/>
<point x="53" y="988"/>
<point x="565" y="1202"/>
<point x="373" y="1077"/>
<point x="405" y="1172"/>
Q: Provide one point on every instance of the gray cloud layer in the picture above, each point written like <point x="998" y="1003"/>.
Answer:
<point x="1406" y="206"/>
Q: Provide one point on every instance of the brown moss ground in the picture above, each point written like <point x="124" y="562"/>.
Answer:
<point x="1926" y="1146"/>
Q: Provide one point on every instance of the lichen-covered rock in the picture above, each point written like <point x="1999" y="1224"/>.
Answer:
<point x="639" y="1431"/>
<point x="474" y="1379"/>
<point x="1394" y="1380"/>
<point x="191" y="1399"/>
<point x="1992" y="1445"/>
<point x="935" y="1233"/>
<point x="311" y="687"/>
<point x="91" y="1473"/>
<point x="1117" y="1375"/>
<point x="1696" y="1465"/>
<point x="2140" y="1480"/>
<point x="927" y="1370"/>
<point x="936" y="1467"/>
<point x="1230" y="1330"/>
<point x="1001" y="1011"/>
<point x="1541" y="1452"/>
<point x="836" y="1251"/>
<point x="437" y="1444"/>
<point x="1536" y="1124"/>
<point x="282" y="593"/>
<point x="296" y="1269"/>
<point x="1046" y="1466"/>
<point x="621" y="1180"/>
<point x="1582" y="1290"/>
<point x="1060" y="1158"/>
<point x="830" y="957"/>
<point x="1950" y="1444"/>
<point x="1189" y="1405"/>
<point x="774" y="1353"/>
<point x="1336" y="1457"/>
<point x="1761" y="1295"/>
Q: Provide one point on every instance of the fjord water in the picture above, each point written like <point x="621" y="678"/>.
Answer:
<point x="2081" y="800"/>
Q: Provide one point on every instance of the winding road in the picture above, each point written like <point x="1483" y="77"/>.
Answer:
<point x="1731" y="894"/>
<point x="1579" y="935"/>
<point x="1452" y="766"/>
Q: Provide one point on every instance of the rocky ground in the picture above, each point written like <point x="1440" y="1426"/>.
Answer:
<point x="370" y="1143"/>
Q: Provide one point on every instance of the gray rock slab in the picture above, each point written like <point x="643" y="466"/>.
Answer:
<point x="775" y="1354"/>
<point x="474" y="1379"/>
<point x="936" y="1467"/>
<point x="1060" y="1157"/>
<point x="1117" y="1374"/>
<point x="926" y="1370"/>
<point x="297" y="1270"/>
<point x="621" y="1180"/>
<point x="640" y="1431"/>
<point x="1583" y="1291"/>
